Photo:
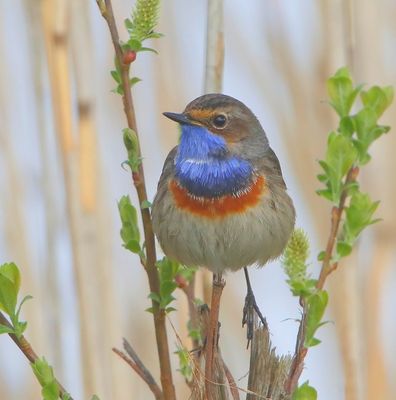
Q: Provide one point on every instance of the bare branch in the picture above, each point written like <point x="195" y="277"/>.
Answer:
<point x="135" y="363"/>
<point x="27" y="349"/>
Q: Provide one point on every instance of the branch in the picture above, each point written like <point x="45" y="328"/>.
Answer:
<point x="213" y="333"/>
<point x="231" y="381"/>
<point x="214" y="47"/>
<point x="189" y="291"/>
<point x="136" y="364"/>
<point x="327" y="268"/>
<point x="106" y="9"/>
<point x="28" y="351"/>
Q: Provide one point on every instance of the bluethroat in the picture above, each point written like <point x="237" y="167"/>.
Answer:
<point x="221" y="200"/>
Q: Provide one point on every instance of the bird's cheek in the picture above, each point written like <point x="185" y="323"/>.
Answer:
<point x="234" y="147"/>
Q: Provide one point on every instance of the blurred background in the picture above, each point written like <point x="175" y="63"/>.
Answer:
<point x="60" y="177"/>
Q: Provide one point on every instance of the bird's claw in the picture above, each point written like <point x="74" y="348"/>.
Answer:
<point x="248" y="316"/>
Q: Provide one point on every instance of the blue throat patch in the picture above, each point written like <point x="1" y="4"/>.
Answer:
<point x="204" y="166"/>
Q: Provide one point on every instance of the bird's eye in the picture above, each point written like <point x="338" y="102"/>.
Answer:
<point x="219" y="121"/>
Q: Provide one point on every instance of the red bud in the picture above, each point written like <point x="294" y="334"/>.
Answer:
<point x="128" y="57"/>
<point x="181" y="281"/>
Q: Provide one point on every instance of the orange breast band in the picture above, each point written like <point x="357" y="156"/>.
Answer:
<point x="220" y="206"/>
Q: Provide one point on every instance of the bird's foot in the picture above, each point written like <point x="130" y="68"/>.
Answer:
<point x="248" y="316"/>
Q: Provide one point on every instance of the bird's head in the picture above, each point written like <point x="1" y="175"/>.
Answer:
<point x="220" y="144"/>
<point x="219" y="121"/>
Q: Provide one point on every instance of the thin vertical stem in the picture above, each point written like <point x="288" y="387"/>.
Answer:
<point x="139" y="182"/>
<point x="214" y="47"/>
<point x="213" y="333"/>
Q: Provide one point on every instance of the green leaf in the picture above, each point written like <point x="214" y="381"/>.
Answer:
<point x="26" y="298"/>
<point x="128" y="24"/>
<point x="46" y="378"/>
<point x="116" y="76"/>
<point x="131" y="143"/>
<point x="166" y="300"/>
<point x="365" y="122"/>
<point x="145" y="204"/>
<point x="321" y="255"/>
<point x="6" y="329"/>
<point x="185" y="364"/>
<point x="359" y="215"/>
<point x="326" y="193"/>
<point x="11" y="272"/>
<point x="9" y="286"/>
<point x="378" y="99"/>
<point x="129" y="231"/>
<point x="344" y="249"/>
<point x="347" y="126"/>
<point x="95" y="397"/>
<point x="50" y="391"/>
<point x="167" y="269"/>
<point x="194" y="334"/>
<point x="8" y="296"/>
<point x="134" y="81"/>
<point x="155" y="297"/>
<point x="302" y="287"/>
<point x="20" y="327"/>
<point x="305" y="392"/>
<point x="341" y="92"/>
<point x="155" y="35"/>
<point x="167" y="288"/>
<point x="340" y="156"/>
<point x="149" y="49"/>
<point x="134" y="44"/>
<point x="133" y="246"/>
<point x="367" y="131"/>
<point x="170" y="309"/>
<point x="316" y="303"/>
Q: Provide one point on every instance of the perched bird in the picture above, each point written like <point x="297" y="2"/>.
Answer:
<point x="221" y="201"/>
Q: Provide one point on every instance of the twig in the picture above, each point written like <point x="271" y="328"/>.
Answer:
<point x="214" y="47"/>
<point x="233" y="386"/>
<point x="189" y="291"/>
<point x="212" y="335"/>
<point x="136" y="364"/>
<point x="139" y="182"/>
<point x="327" y="268"/>
<point x="27" y="350"/>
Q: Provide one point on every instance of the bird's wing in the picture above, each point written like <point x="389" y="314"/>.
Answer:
<point x="270" y="167"/>
<point x="169" y="167"/>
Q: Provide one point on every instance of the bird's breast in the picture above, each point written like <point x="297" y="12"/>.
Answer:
<point x="219" y="207"/>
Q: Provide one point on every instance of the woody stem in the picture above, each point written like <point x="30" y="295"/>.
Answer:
<point x="27" y="349"/>
<point x="327" y="268"/>
<point x="213" y="332"/>
<point x="140" y="186"/>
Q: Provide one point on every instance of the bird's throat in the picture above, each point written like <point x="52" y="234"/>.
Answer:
<point x="205" y="167"/>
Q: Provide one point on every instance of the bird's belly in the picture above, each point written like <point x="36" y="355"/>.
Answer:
<point x="223" y="240"/>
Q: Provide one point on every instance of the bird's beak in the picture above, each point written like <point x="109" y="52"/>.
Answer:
<point x="180" y="118"/>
